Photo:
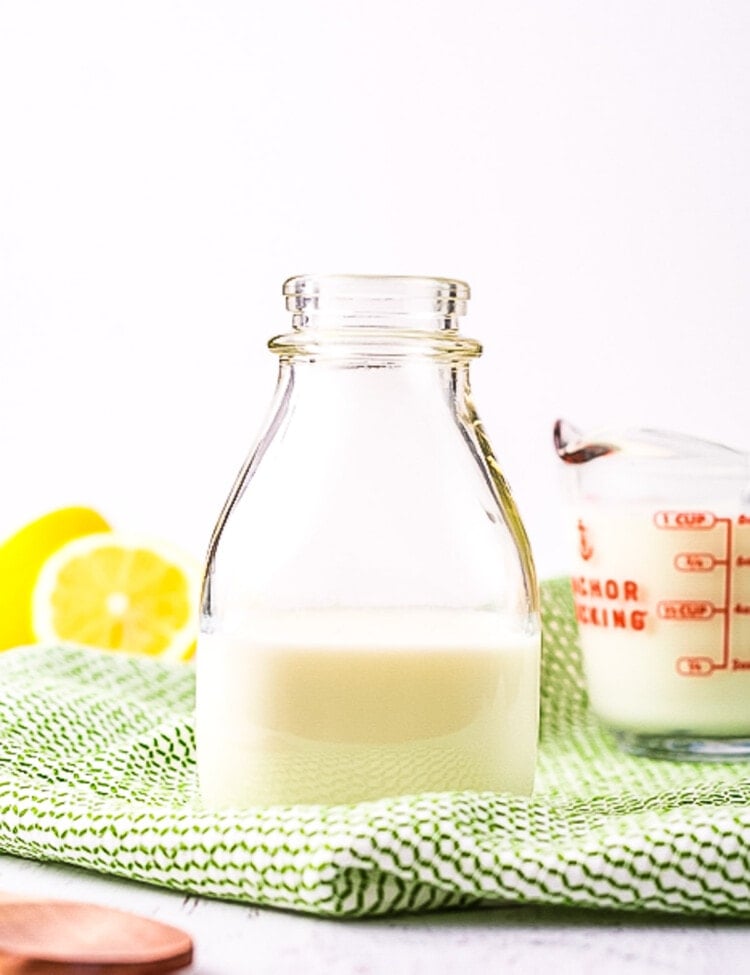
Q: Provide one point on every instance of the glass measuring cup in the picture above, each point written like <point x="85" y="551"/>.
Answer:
<point x="659" y="529"/>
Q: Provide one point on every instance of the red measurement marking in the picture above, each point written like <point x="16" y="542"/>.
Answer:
<point x="686" y="609"/>
<point x="686" y="520"/>
<point x="727" y="593"/>
<point x="586" y="551"/>
<point x="695" y="561"/>
<point x="695" y="666"/>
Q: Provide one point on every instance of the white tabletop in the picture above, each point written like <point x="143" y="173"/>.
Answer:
<point x="235" y="939"/>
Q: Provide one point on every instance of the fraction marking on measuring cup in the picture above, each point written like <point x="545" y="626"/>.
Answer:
<point x="690" y="610"/>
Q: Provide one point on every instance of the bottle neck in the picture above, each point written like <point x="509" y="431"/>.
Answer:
<point x="359" y="318"/>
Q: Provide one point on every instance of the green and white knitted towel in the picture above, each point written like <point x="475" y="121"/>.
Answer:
<point x="97" y="769"/>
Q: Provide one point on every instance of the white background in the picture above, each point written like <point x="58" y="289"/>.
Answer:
<point x="165" y="165"/>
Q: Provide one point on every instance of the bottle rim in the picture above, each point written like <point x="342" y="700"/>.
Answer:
<point x="383" y="287"/>
<point x="365" y="300"/>
<point x="361" y="315"/>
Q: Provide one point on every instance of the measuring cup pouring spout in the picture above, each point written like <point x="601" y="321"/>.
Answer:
<point x="574" y="448"/>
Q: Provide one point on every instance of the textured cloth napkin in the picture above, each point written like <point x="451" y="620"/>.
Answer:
<point x="97" y="769"/>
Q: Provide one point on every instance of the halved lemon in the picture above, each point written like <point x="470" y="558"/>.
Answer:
<point x="21" y="559"/>
<point x="119" y="592"/>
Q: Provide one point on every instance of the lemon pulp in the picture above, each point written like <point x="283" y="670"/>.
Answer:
<point x="118" y="592"/>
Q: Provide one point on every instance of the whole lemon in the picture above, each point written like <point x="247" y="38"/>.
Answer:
<point x="21" y="558"/>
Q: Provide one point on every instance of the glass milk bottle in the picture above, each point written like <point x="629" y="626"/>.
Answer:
<point x="369" y="622"/>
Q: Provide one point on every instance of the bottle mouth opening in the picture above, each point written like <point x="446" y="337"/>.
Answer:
<point x="375" y="301"/>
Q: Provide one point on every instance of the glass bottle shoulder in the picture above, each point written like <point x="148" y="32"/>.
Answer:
<point x="374" y="481"/>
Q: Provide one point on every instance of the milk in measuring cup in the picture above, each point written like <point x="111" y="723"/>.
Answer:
<point x="662" y="599"/>
<point x="345" y="705"/>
